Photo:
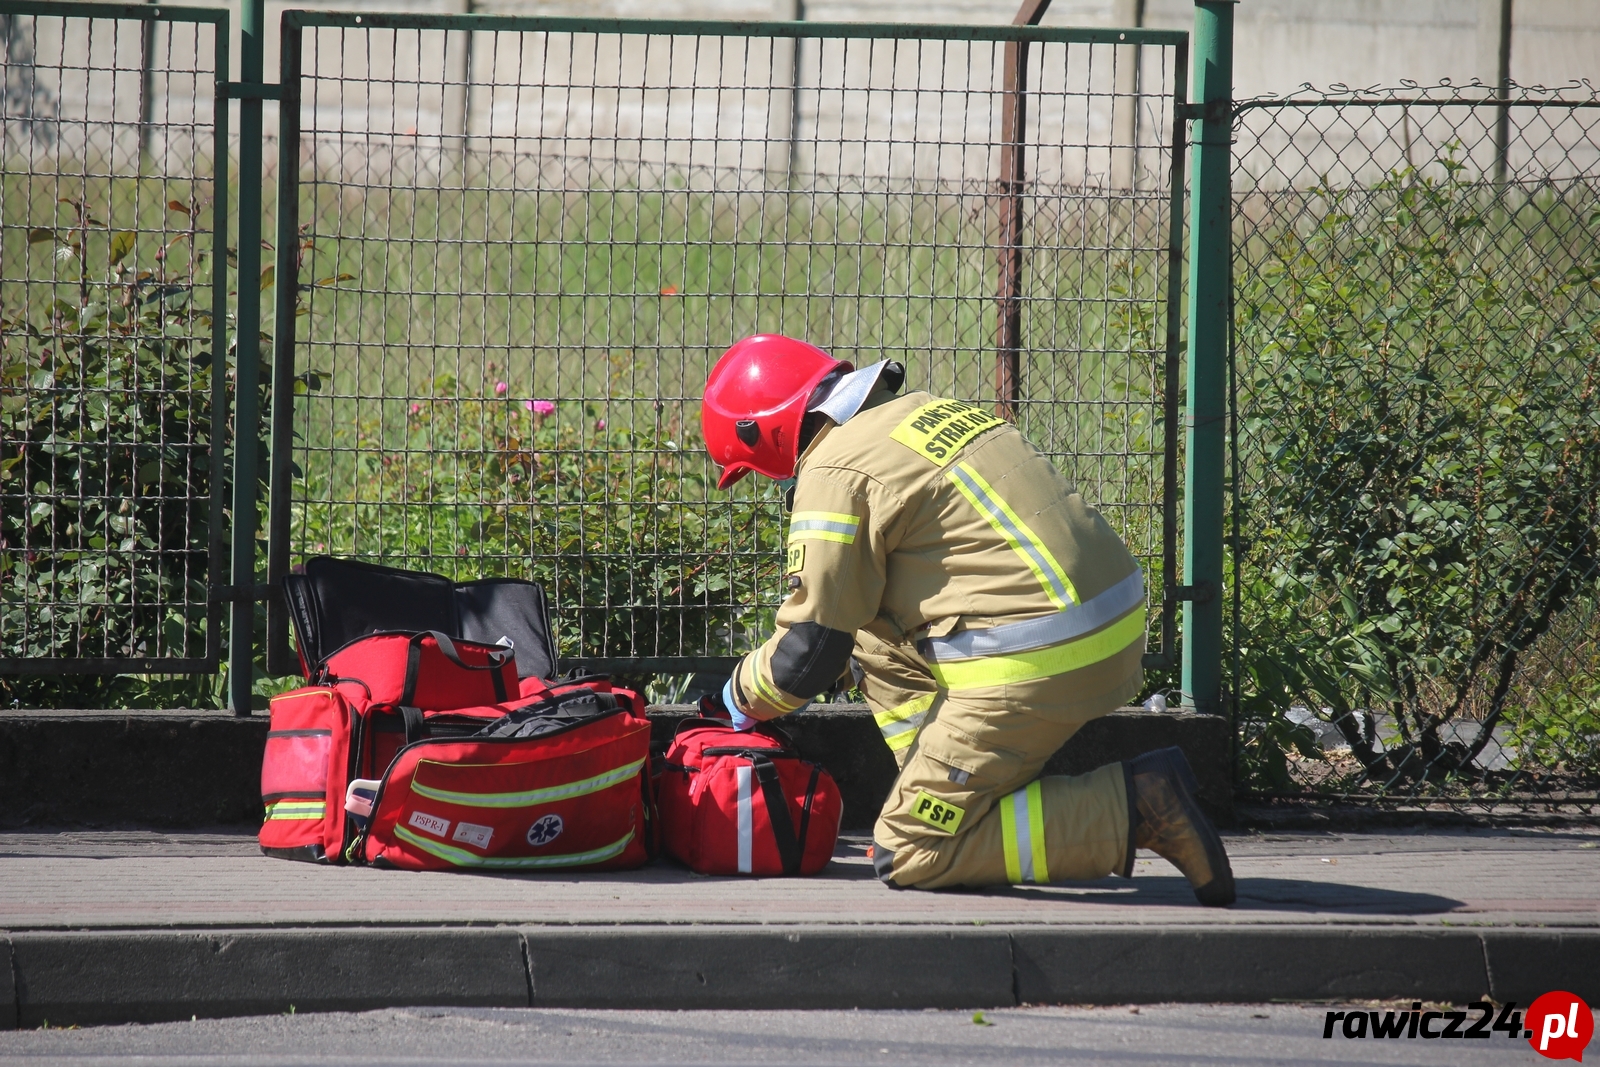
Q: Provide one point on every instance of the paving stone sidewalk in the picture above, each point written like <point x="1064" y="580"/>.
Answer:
<point x="84" y="880"/>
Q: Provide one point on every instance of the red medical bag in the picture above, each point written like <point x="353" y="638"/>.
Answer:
<point x="304" y="773"/>
<point x="402" y="787"/>
<point x="425" y="669"/>
<point x="412" y="748"/>
<point x="744" y="802"/>
<point x="555" y="783"/>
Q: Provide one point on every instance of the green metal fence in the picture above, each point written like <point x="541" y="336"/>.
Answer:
<point x="1416" y="522"/>
<point x="517" y="245"/>
<point x="113" y="207"/>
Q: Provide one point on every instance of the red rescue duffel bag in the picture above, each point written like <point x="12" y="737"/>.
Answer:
<point x="744" y="802"/>
<point x="422" y="669"/>
<point x="554" y="783"/>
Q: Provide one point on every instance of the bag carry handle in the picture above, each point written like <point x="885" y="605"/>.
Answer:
<point x="695" y="722"/>
<point x="416" y="725"/>
<point x="766" y="728"/>
<point x="789" y="847"/>
<point x="497" y="659"/>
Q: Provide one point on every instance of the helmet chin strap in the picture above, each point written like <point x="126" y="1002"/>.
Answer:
<point x="810" y="426"/>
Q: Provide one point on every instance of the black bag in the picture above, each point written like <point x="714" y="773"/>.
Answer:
<point x="334" y="601"/>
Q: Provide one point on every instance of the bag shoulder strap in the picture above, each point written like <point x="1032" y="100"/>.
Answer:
<point x="766" y="773"/>
<point x="805" y="809"/>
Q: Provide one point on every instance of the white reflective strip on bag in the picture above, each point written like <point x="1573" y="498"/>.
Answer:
<point x="1065" y="625"/>
<point x="746" y="822"/>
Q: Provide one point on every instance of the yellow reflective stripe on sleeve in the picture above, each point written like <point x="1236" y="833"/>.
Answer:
<point x="1022" y="835"/>
<point x="769" y="692"/>
<point x="529" y="797"/>
<point x="1023" y="541"/>
<point x="824" y="526"/>
<point x="297" y="809"/>
<point x="1041" y="663"/>
<point x="823" y="535"/>
<point x="900" y="725"/>
<point x="462" y="858"/>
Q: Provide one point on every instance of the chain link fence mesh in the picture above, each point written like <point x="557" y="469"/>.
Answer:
<point x="522" y="248"/>
<point x="108" y="325"/>
<point x="1417" y="445"/>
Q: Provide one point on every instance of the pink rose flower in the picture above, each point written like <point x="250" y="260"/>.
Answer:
<point x="416" y="409"/>
<point x="500" y="388"/>
<point x="599" y="424"/>
<point x="540" y="407"/>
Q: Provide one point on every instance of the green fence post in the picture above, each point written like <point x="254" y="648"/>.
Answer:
<point x="247" y="364"/>
<point x="1210" y="279"/>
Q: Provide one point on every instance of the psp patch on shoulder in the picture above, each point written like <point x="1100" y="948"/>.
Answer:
<point x="797" y="559"/>
<point x="939" y="814"/>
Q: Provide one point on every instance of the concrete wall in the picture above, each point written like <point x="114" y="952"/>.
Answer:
<point x="931" y="112"/>
<point x="1280" y="45"/>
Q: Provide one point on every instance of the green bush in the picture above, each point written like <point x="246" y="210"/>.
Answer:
<point x="1421" y="436"/>
<point x="106" y="423"/>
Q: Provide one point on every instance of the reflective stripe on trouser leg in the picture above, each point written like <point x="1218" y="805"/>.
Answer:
<point x="746" y="822"/>
<point x="1085" y="825"/>
<point x="1022" y="835"/>
<point x="900" y="725"/>
<point x="895" y="680"/>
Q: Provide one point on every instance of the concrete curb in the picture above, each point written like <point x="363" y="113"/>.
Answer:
<point x="8" y="987"/>
<point x="88" y="977"/>
<point x="770" y="967"/>
<point x="150" y="975"/>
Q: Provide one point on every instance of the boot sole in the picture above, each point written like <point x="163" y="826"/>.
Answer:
<point x="1220" y="891"/>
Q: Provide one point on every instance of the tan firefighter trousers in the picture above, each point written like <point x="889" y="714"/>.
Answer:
<point x="968" y="807"/>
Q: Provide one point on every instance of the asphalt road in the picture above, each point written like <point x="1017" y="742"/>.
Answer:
<point x="1208" y="1035"/>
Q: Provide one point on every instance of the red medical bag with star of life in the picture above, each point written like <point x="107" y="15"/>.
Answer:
<point x="331" y="746"/>
<point x="556" y="780"/>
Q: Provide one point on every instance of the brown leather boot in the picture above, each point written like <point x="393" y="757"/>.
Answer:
<point x="1165" y="818"/>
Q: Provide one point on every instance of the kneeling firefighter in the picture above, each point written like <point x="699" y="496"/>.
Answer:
<point x="984" y="609"/>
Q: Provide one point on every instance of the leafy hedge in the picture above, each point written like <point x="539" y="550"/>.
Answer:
<point x="1420" y="435"/>
<point x="106" y="423"/>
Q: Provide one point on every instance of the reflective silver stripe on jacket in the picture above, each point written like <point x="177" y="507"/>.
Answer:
<point x="1075" y="620"/>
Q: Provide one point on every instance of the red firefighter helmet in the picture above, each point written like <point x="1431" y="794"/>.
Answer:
<point x="755" y="401"/>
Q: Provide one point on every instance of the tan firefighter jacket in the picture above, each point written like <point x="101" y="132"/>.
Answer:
<point x="935" y="526"/>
